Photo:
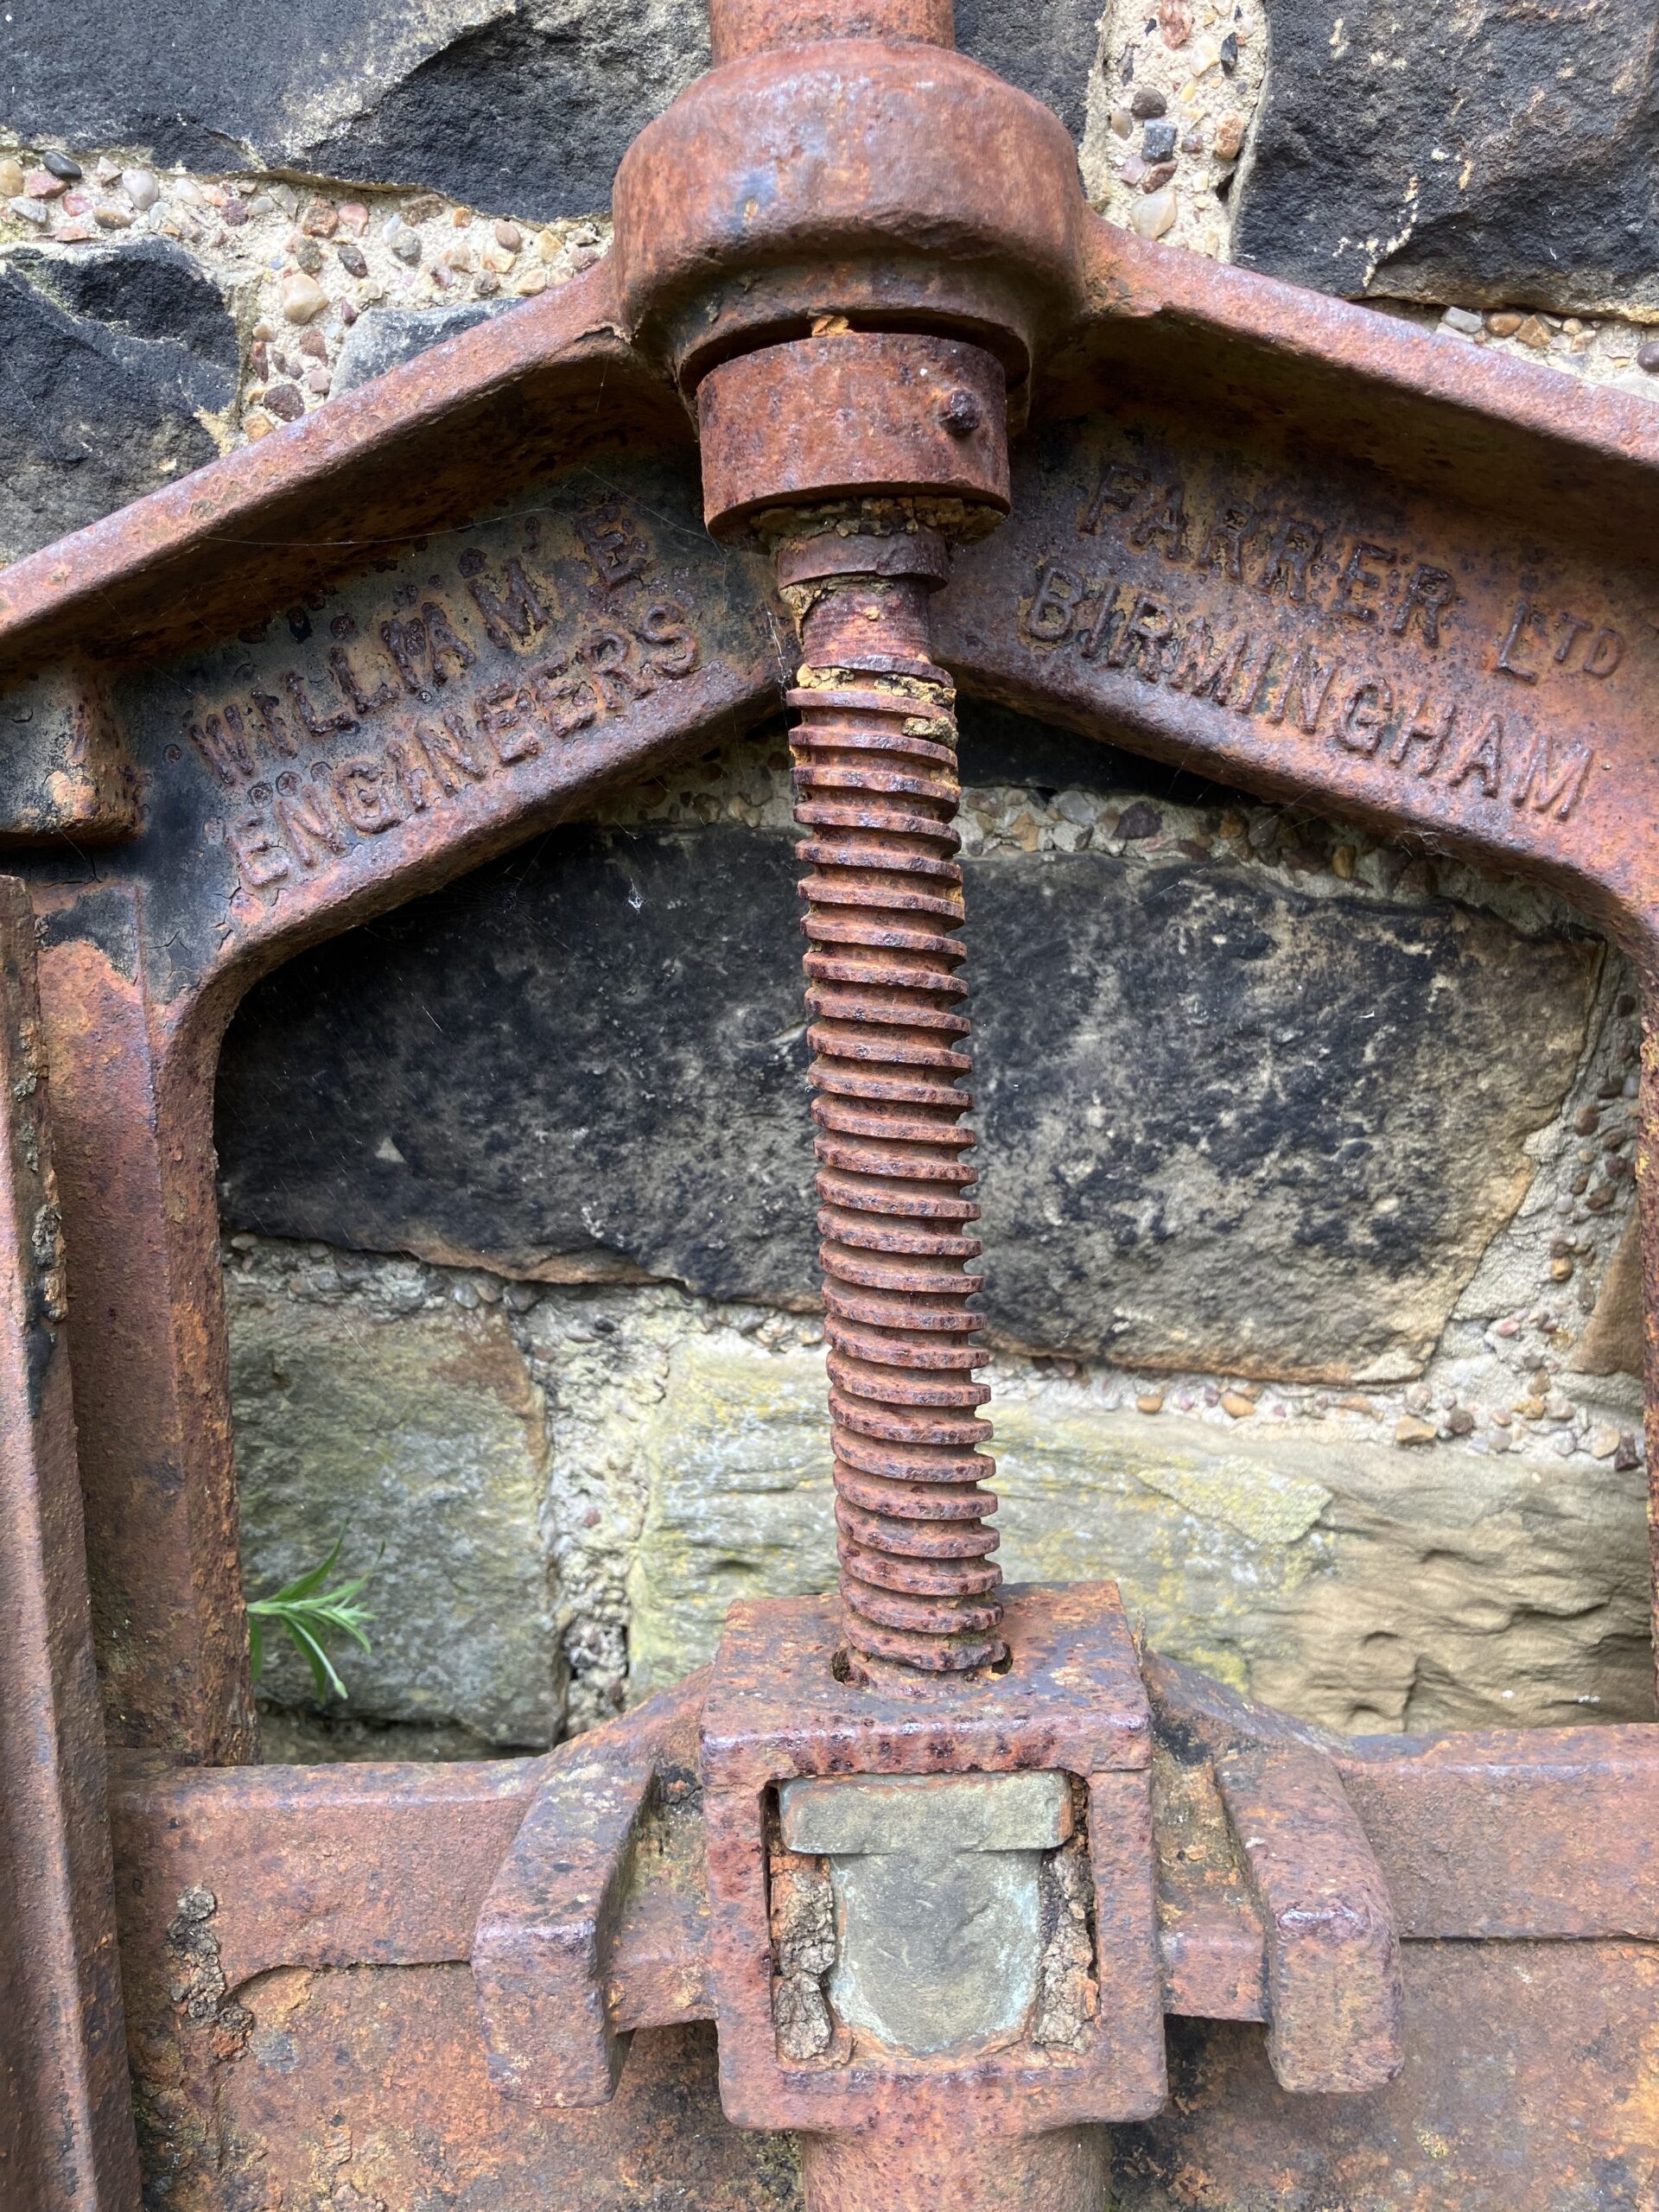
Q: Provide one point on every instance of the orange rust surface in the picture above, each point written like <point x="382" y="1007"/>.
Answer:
<point x="1318" y="554"/>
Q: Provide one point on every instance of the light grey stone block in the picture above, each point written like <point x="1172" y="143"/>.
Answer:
<point x="938" y="1908"/>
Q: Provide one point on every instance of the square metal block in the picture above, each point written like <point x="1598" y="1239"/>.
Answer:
<point x="937" y="1883"/>
<point x="796" y="1760"/>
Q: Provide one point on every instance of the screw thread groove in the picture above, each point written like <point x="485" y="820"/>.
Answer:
<point x="876" y="794"/>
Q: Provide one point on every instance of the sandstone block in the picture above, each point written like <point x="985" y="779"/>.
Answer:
<point x="1364" y="1588"/>
<point x="420" y="1438"/>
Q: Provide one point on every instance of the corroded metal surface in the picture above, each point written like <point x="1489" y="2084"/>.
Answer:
<point x="1528" y="2085"/>
<point x="1070" y="1702"/>
<point x="324" y="1903"/>
<point x="328" y="762"/>
<point x="859" y="456"/>
<point x="860" y="414"/>
<point x="65" y="2128"/>
<point x="899" y="184"/>
<point x="431" y="444"/>
<point x="1317" y="553"/>
<point x="876" y="793"/>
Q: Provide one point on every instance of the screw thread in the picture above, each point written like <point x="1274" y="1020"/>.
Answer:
<point x="877" y="795"/>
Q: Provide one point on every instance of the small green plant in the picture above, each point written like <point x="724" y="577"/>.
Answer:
<point x="313" y="1618"/>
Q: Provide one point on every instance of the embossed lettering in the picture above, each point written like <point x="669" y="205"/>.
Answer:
<point x="571" y="699"/>
<point x="1216" y="680"/>
<point x="315" y="725"/>
<point x="503" y="713"/>
<point x="1166" y="521"/>
<point x="1107" y="615"/>
<point x="1356" y="579"/>
<point x="1485" y="758"/>
<point x="449" y="749"/>
<point x="1303" y="685"/>
<point x="1575" y="625"/>
<point x="1551" y="783"/>
<point x="1121" y="485"/>
<point x="1248" y="695"/>
<point x="416" y="766"/>
<point x="1365" y="716"/>
<point x="616" y="552"/>
<point x="1428" y="729"/>
<point x="257" y="854"/>
<point x="1054" y="605"/>
<point x="607" y="653"/>
<point x="442" y="642"/>
<point x="1306" y="687"/>
<point x="1141" y="637"/>
<point x="516" y="613"/>
<point x="668" y="628"/>
<point x="1605" y="654"/>
<point x="220" y="740"/>
<point x="412" y="770"/>
<point x="360" y="701"/>
<point x="308" y="830"/>
<point x="1527" y="617"/>
<point x="361" y="792"/>
<point x="406" y="643"/>
<point x="1225" y="540"/>
<point x="276" y="729"/>
<point x="1428" y="596"/>
<point x="1295" y="547"/>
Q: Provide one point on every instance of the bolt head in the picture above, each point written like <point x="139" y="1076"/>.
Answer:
<point x="961" y="414"/>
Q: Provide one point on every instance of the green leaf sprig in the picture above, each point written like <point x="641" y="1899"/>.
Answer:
<point x="312" y="1616"/>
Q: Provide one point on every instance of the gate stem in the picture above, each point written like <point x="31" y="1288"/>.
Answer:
<point x="877" y="794"/>
<point x="956" y="2170"/>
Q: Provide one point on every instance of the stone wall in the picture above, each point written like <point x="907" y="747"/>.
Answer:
<point x="1308" y="1201"/>
<point x="1307" y="1159"/>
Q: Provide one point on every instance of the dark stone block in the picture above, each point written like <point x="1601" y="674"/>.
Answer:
<point x="522" y="108"/>
<point x="1239" y="1127"/>
<point x="530" y="110"/>
<point x="387" y="337"/>
<point x="997" y="746"/>
<point x="1046" y="47"/>
<point x="525" y="108"/>
<point x="111" y="356"/>
<point x="1488" y="154"/>
<point x="1227" y="1123"/>
<point x="588" y="1059"/>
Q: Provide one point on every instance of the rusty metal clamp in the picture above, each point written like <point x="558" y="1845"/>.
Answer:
<point x="938" y="1858"/>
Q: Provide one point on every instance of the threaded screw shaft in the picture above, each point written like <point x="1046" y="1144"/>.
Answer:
<point x="877" y="795"/>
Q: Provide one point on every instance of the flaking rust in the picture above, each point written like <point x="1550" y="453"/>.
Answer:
<point x="1320" y="553"/>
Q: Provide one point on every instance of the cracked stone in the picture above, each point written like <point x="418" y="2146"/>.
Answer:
<point x="114" y="354"/>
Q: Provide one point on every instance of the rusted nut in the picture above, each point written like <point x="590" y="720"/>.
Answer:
<point x="852" y="417"/>
<point x="850" y="178"/>
<point x="920" y="553"/>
